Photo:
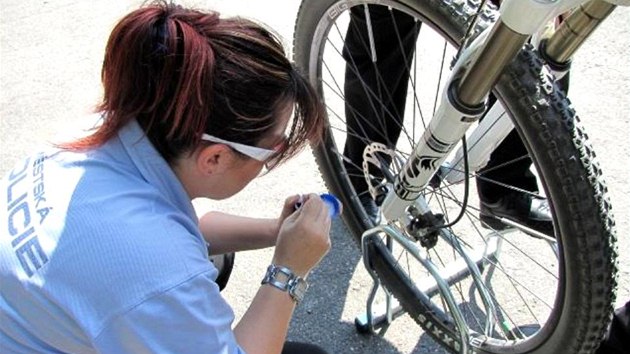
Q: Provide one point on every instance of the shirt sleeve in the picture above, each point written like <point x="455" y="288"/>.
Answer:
<point x="191" y="317"/>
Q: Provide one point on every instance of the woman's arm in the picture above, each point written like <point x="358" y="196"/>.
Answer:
<point x="302" y="242"/>
<point x="230" y="233"/>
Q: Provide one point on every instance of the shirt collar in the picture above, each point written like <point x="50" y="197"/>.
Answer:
<point x="153" y="168"/>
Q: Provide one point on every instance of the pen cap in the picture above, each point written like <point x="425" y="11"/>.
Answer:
<point x="332" y="203"/>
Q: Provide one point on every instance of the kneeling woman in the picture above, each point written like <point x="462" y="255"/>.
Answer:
<point x="194" y="106"/>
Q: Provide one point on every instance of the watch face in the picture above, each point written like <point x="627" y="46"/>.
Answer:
<point x="297" y="288"/>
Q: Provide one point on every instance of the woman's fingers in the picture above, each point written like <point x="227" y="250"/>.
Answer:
<point x="304" y="236"/>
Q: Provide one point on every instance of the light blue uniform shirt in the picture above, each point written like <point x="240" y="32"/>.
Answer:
<point x="100" y="252"/>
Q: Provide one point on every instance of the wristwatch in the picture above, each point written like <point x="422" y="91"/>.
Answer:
<point x="284" y="279"/>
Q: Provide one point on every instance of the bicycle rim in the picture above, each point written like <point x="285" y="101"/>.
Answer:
<point x="532" y="283"/>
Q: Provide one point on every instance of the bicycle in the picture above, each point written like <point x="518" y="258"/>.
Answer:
<point x="466" y="303"/>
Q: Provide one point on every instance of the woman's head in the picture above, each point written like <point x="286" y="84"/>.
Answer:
<point x="182" y="73"/>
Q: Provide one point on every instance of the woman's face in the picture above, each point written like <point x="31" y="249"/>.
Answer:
<point x="245" y="169"/>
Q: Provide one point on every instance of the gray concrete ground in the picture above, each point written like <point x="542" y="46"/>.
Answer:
<point x="50" y="56"/>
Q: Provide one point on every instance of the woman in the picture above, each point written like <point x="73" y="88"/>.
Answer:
<point x="100" y="248"/>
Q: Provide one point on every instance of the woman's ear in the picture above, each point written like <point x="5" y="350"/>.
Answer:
<point x="213" y="159"/>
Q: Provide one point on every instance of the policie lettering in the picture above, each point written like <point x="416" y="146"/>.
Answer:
<point x="21" y="228"/>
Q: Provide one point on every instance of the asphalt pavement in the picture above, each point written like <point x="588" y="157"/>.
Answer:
<point x="50" y="58"/>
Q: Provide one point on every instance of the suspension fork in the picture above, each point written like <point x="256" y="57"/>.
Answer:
<point x="558" y="50"/>
<point x="463" y="101"/>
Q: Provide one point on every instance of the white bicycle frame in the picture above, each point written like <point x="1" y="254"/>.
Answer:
<point x="450" y="122"/>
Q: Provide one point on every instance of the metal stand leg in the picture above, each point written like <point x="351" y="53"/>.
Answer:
<point x="381" y="315"/>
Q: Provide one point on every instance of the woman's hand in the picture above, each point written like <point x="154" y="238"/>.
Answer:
<point x="303" y="238"/>
<point x="287" y="209"/>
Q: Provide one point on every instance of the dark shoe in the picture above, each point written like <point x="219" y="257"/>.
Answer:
<point x="371" y="209"/>
<point x="522" y="208"/>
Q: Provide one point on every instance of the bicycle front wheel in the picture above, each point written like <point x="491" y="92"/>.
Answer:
<point x="521" y="291"/>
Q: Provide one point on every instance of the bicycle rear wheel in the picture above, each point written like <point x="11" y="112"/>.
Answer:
<point x="539" y="295"/>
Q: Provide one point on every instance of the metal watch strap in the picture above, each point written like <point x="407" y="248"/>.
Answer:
<point x="284" y="279"/>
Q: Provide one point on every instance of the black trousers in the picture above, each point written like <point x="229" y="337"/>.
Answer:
<point x="301" y="348"/>
<point x="617" y="339"/>
<point x="386" y="81"/>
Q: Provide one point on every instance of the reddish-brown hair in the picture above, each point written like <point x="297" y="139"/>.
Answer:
<point x="181" y="72"/>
